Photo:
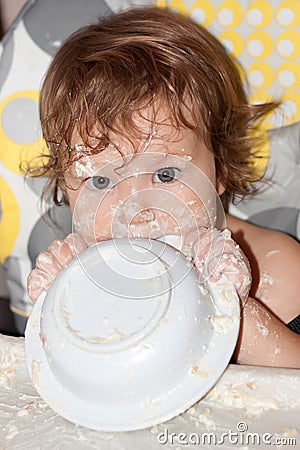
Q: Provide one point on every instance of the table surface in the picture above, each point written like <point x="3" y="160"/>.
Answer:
<point x="250" y="407"/>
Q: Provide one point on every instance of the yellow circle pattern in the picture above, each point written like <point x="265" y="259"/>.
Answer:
<point x="259" y="44"/>
<point x="206" y="9"/>
<point x="265" y="37"/>
<point x="288" y="75"/>
<point x="10" y="220"/>
<point x="291" y="106"/>
<point x="13" y="154"/>
<point x="261" y="155"/>
<point x="230" y="13"/>
<point x="232" y="41"/>
<point x="179" y="6"/>
<point x="259" y="14"/>
<point x="260" y="75"/>
<point x="288" y="44"/>
<point x="288" y="13"/>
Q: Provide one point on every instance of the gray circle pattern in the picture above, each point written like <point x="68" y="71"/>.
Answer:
<point x="51" y="22"/>
<point x="54" y="224"/>
<point x="6" y="59"/>
<point x="20" y="120"/>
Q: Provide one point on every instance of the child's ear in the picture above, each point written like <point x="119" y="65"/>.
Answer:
<point x="220" y="187"/>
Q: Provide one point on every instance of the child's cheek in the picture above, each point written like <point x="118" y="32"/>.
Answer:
<point x="92" y="216"/>
<point x="204" y="215"/>
<point x="147" y="213"/>
<point x="156" y="212"/>
<point x="202" y="209"/>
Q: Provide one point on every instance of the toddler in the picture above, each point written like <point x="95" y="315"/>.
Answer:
<point x="150" y="133"/>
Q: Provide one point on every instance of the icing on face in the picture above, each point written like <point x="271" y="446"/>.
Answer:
<point x="166" y="185"/>
<point x="136" y="203"/>
<point x="151" y="136"/>
<point x="84" y="167"/>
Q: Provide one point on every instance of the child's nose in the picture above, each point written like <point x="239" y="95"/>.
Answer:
<point x="145" y="216"/>
<point x="136" y="183"/>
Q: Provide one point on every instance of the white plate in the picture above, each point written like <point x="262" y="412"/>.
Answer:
<point x="136" y="408"/>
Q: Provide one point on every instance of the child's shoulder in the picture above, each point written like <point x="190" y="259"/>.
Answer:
<point x="262" y="240"/>
<point x="275" y="260"/>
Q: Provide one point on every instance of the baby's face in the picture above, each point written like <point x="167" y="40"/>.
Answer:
<point x="165" y="185"/>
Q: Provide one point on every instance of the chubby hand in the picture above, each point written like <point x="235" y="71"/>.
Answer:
<point x="50" y="262"/>
<point x="215" y="253"/>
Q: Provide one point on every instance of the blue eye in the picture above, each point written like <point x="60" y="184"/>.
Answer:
<point x="166" y="175"/>
<point x="99" y="183"/>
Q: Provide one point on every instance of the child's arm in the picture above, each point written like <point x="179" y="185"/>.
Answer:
<point x="275" y="260"/>
<point x="50" y="262"/>
<point x="265" y="340"/>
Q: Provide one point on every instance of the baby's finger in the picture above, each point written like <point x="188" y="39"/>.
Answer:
<point x="47" y="262"/>
<point x="236" y="268"/>
<point x="208" y="250"/>
<point x="192" y="239"/>
<point x="62" y="252"/>
<point x="76" y="243"/>
<point x="37" y="282"/>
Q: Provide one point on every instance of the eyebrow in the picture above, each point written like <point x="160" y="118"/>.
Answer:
<point x="100" y="160"/>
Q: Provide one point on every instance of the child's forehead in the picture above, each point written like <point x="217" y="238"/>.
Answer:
<point x="151" y="127"/>
<point x="154" y="137"/>
<point x="152" y="151"/>
<point x="154" y="141"/>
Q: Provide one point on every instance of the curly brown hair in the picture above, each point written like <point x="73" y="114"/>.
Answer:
<point x="107" y="71"/>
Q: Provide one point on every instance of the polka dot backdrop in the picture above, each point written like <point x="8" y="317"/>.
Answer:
<point x="264" y="37"/>
<point x="25" y="53"/>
